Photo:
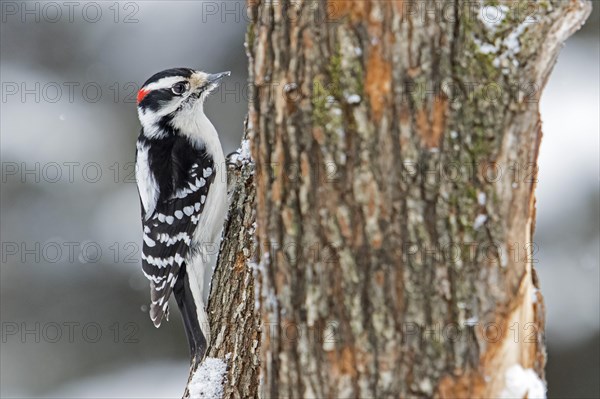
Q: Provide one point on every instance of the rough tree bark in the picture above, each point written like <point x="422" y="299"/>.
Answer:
<point x="394" y="147"/>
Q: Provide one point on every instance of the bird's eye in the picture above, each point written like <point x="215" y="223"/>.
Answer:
<point x="179" y="88"/>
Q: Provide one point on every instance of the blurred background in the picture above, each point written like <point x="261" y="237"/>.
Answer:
<point x="73" y="301"/>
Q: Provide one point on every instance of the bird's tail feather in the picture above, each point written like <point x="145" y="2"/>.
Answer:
<point x="159" y="307"/>
<point x="194" y="317"/>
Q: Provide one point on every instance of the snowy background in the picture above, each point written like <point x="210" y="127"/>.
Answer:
<point x="73" y="299"/>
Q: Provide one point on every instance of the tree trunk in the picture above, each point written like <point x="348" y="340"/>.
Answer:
<point x="395" y="147"/>
<point x="234" y="318"/>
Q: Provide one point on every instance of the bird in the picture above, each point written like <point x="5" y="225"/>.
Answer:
<point x="182" y="184"/>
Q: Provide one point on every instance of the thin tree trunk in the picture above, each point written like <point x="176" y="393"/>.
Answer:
<point x="234" y="318"/>
<point x="395" y="147"/>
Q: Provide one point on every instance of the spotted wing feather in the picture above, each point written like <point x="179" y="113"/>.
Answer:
<point x="169" y="228"/>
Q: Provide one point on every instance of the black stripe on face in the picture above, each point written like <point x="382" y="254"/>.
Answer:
<point x="155" y="99"/>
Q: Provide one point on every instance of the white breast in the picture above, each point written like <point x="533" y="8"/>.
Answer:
<point x="216" y="205"/>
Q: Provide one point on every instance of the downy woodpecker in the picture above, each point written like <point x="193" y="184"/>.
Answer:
<point x="183" y="194"/>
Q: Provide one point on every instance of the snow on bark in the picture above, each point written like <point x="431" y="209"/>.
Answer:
<point x="523" y="383"/>
<point x="207" y="380"/>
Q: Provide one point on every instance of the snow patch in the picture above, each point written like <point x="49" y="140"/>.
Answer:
<point x="486" y="48"/>
<point x="479" y="221"/>
<point x="512" y="44"/>
<point x="290" y="87"/>
<point x="207" y="381"/>
<point x="242" y="155"/>
<point x="492" y="16"/>
<point x="523" y="383"/>
<point x="245" y="150"/>
<point x="481" y="198"/>
<point x="353" y="99"/>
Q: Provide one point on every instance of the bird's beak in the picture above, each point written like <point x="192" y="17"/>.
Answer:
<point x="216" y="77"/>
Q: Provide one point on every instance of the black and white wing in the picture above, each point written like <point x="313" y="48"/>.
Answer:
<point x="173" y="185"/>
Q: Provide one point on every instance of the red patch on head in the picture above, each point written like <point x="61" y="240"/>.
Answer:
<point x="141" y="94"/>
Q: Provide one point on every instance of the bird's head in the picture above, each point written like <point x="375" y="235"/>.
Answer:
<point x="174" y="97"/>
